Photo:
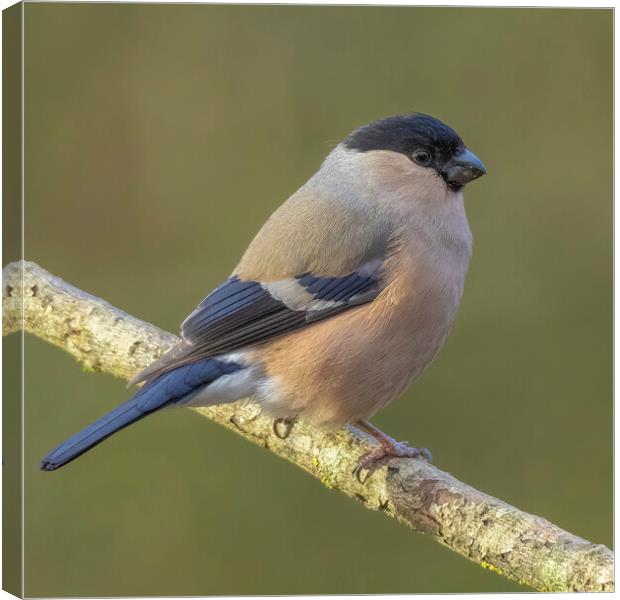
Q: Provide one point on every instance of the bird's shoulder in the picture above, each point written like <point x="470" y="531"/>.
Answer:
<point x="316" y="232"/>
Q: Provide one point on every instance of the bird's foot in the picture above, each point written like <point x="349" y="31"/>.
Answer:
<point x="387" y="449"/>
<point x="282" y="427"/>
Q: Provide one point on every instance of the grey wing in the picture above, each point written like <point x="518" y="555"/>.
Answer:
<point x="239" y="314"/>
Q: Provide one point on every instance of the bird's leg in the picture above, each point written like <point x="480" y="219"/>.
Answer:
<point x="282" y="427"/>
<point x="388" y="448"/>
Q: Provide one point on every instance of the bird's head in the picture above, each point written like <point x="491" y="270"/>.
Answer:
<point x="419" y="146"/>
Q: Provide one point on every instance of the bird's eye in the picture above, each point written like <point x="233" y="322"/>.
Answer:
<point x="422" y="157"/>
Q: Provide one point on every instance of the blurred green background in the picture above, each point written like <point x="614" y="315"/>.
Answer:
<point x="160" y="137"/>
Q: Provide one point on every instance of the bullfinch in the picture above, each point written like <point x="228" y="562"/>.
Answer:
<point x="342" y="299"/>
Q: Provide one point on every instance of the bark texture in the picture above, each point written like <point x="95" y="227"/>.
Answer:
<point x="484" y="529"/>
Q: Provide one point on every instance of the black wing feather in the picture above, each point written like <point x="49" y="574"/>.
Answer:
<point x="238" y="314"/>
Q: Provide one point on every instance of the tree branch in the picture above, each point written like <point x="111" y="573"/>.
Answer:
<point x="496" y="535"/>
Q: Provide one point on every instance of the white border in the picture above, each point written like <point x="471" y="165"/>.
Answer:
<point x="481" y="3"/>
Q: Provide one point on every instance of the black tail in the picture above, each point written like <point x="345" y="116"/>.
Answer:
<point x="114" y="421"/>
<point x="169" y="388"/>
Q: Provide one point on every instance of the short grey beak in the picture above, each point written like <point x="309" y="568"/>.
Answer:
<point x="463" y="168"/>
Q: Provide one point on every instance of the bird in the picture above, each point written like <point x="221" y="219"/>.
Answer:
<point x="342" y="299"/>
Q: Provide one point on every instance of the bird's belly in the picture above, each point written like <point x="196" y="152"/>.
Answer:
<point x="349" y="367"/>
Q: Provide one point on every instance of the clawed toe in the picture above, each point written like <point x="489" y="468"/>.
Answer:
<point x="368" y="463"/>
<point x="426" y="454"/>
<point x="282" y="427"/>
<point x="380" y="455"/>
<point x="387" y="449"/>
<point x="403" y="450"/>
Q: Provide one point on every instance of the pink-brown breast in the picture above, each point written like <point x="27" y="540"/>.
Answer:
<point x="350" y="366"/>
